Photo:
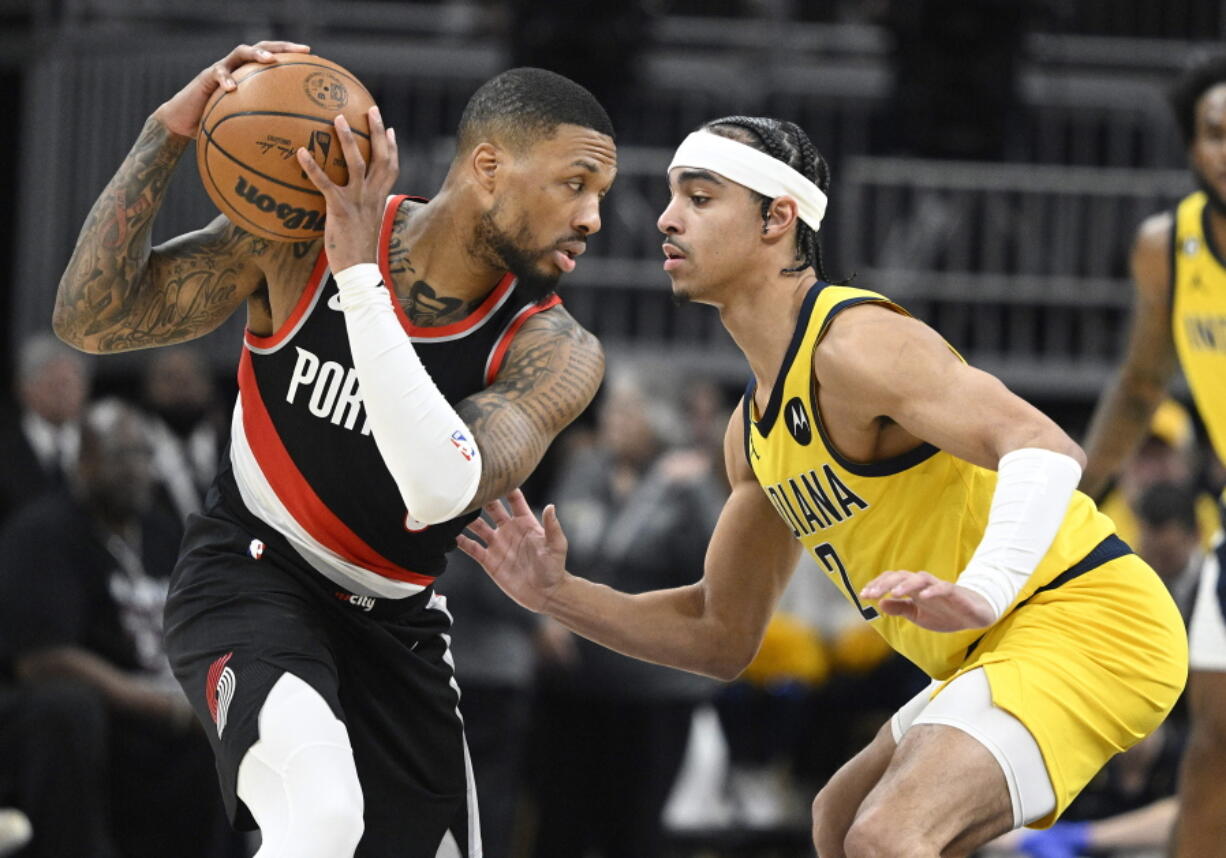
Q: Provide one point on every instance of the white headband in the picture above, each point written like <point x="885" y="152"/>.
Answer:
<point x="756" y="170"/>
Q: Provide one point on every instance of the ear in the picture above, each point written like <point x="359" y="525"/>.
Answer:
<point x="782" y="215"/>
<point x="484" y="162"/>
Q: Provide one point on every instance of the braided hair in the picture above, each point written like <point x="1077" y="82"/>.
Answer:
<point x="787" y="142"/>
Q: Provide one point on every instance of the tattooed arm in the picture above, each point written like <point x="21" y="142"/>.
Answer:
<point x="118" y="292"/>
<point x="552" y="372"/>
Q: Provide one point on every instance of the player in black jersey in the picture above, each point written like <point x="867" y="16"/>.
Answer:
<point x="396" y="375"/>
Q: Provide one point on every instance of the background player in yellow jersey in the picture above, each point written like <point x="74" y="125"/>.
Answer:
<point x="1179" y="319"/>
<point x="943" y="507"/>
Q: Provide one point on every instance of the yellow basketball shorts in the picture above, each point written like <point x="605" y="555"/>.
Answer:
<point x="1090" y="667"/>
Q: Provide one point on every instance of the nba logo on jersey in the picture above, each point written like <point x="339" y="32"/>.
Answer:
<point x="461" y="442"/>
<point x="798" y="421"/>
<point x="256" y="549"/>
<point x="219" y="691"/>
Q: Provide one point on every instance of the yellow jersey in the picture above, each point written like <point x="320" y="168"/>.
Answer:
<point x="924" y="510"/>
<point x="1198" y="314"/>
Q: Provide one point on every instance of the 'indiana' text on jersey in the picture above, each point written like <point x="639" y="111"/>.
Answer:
<point x="924" y="510"/>
<point x="303" y="458"/>
<point x="1198" y="314"/>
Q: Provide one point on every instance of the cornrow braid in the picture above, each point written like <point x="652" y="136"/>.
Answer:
<point x="787" y="142"/>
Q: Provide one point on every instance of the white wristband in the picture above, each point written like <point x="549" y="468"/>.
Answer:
<point x="429" y="451"/>
<point x="1033" y="491"/>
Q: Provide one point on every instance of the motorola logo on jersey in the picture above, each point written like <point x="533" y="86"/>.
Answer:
<point x="328" y="389"/>
<point x="797" y="418"/>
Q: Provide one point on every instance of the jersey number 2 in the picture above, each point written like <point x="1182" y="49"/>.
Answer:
<point x="829" y="558"/>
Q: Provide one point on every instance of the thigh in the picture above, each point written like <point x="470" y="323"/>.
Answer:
<point x="234" y="624"/>
<point x="942" y="789"/>
<point x="835" y="807"/>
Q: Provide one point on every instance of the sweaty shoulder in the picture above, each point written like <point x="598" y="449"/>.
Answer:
<point x="1151" y="256"/>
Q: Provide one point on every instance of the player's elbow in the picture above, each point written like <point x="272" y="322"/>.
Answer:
<point x="730" y="660"/>
<point x="443" y="500"/>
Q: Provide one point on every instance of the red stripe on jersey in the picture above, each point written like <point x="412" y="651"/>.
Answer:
<point x="504" y="342"/>
<point x="468" y="322"/>
<point x="296" y="493"/>
<point x="304" y="300"/>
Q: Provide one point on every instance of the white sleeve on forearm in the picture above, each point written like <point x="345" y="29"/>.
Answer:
<point x="427" y="448"/>
<point x="1033" y="490"/>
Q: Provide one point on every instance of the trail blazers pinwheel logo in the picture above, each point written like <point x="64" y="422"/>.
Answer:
<point x="219" y="691"/>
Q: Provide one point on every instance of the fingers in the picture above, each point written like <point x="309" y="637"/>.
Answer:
<point x="519" y="503"/>
<point x="221" y="74"/>
<point x="481" y="529"/>
<point x="472" y="548"/>
<point x="882" y="584"/>
<point x="554" y="537"/>
<point x="282" y="47"/>
<point x="349" y="146"/>
<point x="497" y="512"/>
<point x="314" y="172"/>
<point x="905" y="608"/>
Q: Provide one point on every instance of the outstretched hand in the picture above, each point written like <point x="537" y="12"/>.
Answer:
<point x="525" y="557"/>
<point x="355" y="209"/>
<point x="929" y="602"/>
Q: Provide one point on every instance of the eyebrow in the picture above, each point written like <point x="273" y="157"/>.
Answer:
<point x="699" y="175"/>
<point x="587" y="165"/>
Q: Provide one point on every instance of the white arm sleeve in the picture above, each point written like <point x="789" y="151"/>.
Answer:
<point x="427" y="448"/>
<point x="1033" y="490"/>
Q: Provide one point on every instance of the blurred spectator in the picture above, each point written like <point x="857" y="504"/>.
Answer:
<point x="492" y="643"/>
<point x="82" y="586"/>
<point x="40" y="444"/>
<point x="1166" y="455"/>
<point x="1170" y="539"/>
<point x="613" y="730"/>
<point x="185" y="426"/>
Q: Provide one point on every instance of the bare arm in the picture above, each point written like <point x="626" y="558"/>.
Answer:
<point x="120" y="293"/>
<point x="552" y="371"/>
<point x="120" y="689"/>
<point x="712" y="627"/>
<point x="879" y="366"/>
<point x="918" y="383"/>
<point x="1125" y="410"/>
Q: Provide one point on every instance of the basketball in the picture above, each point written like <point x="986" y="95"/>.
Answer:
<point x="248" y="137"/>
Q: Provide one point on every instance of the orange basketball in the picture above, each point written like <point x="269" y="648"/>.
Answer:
<point x="248" y="137"/>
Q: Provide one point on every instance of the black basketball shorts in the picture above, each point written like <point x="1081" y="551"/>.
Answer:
<point x="244" y="608"/>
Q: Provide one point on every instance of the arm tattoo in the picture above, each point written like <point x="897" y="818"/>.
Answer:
<point x="552" y="372"/>
<point x="115" y="293"/>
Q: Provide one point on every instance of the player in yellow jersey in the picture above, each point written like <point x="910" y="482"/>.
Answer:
<point x="1179" y="320"/>
<point x="940" y="504"/>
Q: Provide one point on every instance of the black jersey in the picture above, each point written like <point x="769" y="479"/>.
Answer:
<point x="303" y="458"/>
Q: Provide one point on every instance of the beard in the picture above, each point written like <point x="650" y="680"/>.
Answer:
<point x="512" y="252"/>
<point x="1216" y="203"/>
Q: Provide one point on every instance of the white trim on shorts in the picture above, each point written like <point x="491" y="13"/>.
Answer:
<point x="1207" y="627"/>
<point x="966" y="703"/>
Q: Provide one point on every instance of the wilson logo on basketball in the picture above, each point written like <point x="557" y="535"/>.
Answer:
<point x="219" y="691"/>
<point x="292" y="217"/>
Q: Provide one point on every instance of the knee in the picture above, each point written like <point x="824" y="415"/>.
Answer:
<point x="828" y="831"/>
<point x="332" y="821"/>
<point x="873" y="835"/>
